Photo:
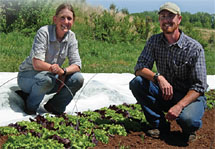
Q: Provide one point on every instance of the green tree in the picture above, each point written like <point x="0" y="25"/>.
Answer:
<point x="112" y="7"/>
<point x="125" y="11"/>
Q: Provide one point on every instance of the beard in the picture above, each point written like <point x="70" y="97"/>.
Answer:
<point x="169" y="28"/>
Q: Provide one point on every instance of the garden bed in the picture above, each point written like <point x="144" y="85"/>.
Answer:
<point x="121" y="126"/>
<point x="205" y="138"/>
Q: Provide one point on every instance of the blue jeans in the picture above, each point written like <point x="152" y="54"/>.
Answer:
<point x="38" y="84"/>
<point x="149" y="96"/>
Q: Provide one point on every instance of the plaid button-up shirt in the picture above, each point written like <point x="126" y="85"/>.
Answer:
<point x="181" y="63"/>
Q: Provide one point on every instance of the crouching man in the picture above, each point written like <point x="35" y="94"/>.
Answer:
<point x="180" y="82"/>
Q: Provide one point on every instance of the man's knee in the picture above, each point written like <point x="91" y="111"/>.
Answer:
<point x="188" y="123"/>
<point x="135" y="83"/>
<point x="76" y="79"/>
<point x="45" y="82"/>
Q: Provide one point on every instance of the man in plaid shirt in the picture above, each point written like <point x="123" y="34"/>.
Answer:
<point x="180" y="82"/>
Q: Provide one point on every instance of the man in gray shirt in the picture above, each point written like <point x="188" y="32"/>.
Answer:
<point x="41" y="73"/>
<point x="179" y="85"/>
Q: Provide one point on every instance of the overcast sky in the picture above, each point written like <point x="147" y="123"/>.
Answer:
<point x="133" y="6"/>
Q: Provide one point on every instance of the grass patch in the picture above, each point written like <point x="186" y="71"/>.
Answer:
<point x="14" y="48"/>
<point x="210" y="63"/>
<point x="97" y="56"/>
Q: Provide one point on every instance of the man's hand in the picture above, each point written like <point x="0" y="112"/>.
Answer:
<point x="174" y="112"/>
<point x="166" y="88"/>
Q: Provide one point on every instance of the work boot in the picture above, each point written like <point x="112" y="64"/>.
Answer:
<point x="49" y="108"/>
<point x="29" y="112"/>
<point x="162" y="131"/>
<point x="24" y="97"/>
<point x="189" y="137"/>
<point x="154" y="133"/>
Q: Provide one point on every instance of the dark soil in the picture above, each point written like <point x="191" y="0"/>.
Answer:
<point x="205" y="138"/>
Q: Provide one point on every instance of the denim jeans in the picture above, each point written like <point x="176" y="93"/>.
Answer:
<point x="149" y="96"/>
<point x="38" y="84"/>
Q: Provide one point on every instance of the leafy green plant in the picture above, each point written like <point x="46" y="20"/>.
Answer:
<point x="8" y="130"/>
<point x="77" y="131"/>
<point x="210" y="95"/>
<point x="101" y="135"/>
<point x="28" y="141"/>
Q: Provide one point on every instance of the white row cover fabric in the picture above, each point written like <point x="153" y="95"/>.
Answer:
<point x="99" y="90"/>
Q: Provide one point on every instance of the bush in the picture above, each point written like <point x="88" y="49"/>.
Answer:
<point x="111" y="27"/>
<point x="25" y="16"/>
<point x="190" y="30"/>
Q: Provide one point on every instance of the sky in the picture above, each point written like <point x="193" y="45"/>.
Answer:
<point x="133" y="6"/>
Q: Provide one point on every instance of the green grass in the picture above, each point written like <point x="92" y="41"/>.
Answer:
<point x="108" y="58"/>
<point x="13" y="50"/>
<point x="97" y="56"/>
<point x="210" y="63"/>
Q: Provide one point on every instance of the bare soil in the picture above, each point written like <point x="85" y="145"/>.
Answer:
<point x="205" y="138"/>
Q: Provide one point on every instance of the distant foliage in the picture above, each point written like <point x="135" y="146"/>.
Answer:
<point x="25" y="16"/>
<point x="194" y="33"/>
<point x="112" y="7"/>
<point x="109" y="40"/>
<point x="117" y="27"/>
<point x="191" y="25"/>
<point x="199" y="19"/>
<point x="145" y="28"/>
<point x="125" y="11"/>
<point x="111" y="27"/>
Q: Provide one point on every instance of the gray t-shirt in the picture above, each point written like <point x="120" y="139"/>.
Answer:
<point x="47" y="48"/>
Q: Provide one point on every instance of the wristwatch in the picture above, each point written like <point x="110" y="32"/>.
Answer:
<point x="64" y="69"/>
<point x="156" y="77"/>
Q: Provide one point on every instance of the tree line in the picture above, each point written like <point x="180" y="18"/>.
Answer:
<point x="111" y="25"/>
<point x="199" y="19"/>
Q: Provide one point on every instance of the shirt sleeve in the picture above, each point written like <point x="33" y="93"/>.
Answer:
<point x="73" y="53"/>
<point x="146" y="58"/>
<point x="39" y="45"/>
<point x="198" y="73"/>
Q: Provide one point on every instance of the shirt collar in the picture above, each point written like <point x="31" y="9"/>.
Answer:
<point x="53" y="35"/>
<point x="179" y="42"/>
<point x="181" y="39"/>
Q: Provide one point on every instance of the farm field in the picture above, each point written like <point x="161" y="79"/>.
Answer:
<point x="109" y="42"/>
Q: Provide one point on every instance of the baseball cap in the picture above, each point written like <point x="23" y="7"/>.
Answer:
<point x="172" y="7"/>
